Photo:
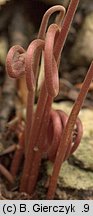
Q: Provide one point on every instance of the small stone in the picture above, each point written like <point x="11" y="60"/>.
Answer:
<point x="83" y="156"/>
<point x="82" y="51"/>
<point x="73" y="177"/>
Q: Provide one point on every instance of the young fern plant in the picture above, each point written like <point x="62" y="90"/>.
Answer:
<point x="47" y="132"/>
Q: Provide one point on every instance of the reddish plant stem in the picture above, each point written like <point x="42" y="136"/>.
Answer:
<point x="79" y="135"/>
<point x="67" y="133"/>
<point x="41" y="115"/>
<point x="65" y="28"/>
<point x="6" y="174"/>
<point x="8" y="150"/>
<point x="15" y="61"/>
<point x="40" y="35"/>
<point x="38" y="149"/>
<point x="29" y="117"/>
<point x="54" y="134"/>
<point x="15" y="66"/>
<point x="51" y="70"/>
<point x="46" y="17"/>
<point x="32" y="140"/>
<point x="18" y="156"/>
<point x="32" y="58"/>
<point x="44" y="24"/>
<point x="72" y="146"/>
<point x="50" y="66"/>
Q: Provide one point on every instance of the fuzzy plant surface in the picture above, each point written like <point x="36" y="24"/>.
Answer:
<point x="48" y="133"/>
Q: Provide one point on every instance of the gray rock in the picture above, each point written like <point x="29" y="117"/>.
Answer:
<point x="73" y="177"/>
<point x="82" y="52"/>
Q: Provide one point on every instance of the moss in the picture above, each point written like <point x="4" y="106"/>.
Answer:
<point x="73" y="177"/>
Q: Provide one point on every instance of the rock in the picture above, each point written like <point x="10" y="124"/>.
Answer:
<point x="82" y="51"/>
<point x="3" y="49"/>
<point x="73" y="177"/>
<point x="76" y="178"/>
<point x="84" y="154"/>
